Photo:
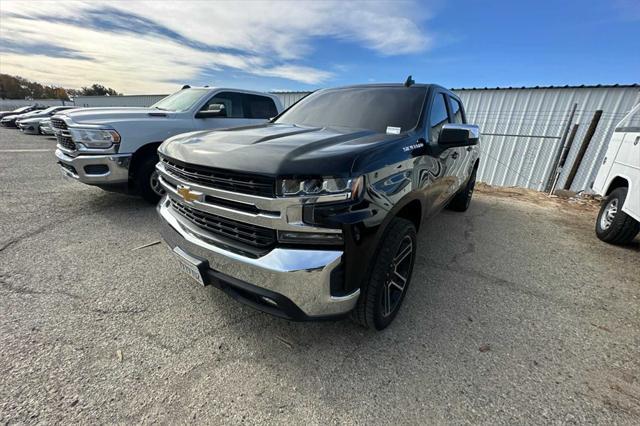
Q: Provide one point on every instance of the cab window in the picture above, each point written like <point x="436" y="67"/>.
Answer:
<point x="256" y="106"/>
<point x="228" y="104"/>
<point x="439" y="116"/>
<point x="241" y="105"/>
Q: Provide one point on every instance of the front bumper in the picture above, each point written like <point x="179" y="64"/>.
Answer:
<point x="29" y="128"/>
<point x="95" y="169"/>
<point x="291" y="283"/>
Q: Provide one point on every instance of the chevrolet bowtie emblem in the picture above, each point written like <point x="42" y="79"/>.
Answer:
<point x="188" y="195"/>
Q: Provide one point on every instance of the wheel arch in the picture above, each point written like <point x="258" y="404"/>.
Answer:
<point x="412" y="211"/>
<point x="617" y="182"/>
<point x="140" y="154"/>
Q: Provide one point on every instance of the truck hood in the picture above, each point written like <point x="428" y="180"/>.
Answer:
<point x="111" y="116"/>
<point x="277" y="149"/>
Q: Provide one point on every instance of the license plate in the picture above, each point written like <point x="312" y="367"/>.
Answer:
<point x="189" y="265"/>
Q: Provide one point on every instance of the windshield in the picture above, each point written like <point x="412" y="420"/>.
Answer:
<point x="21" y="109"/>
<point x="630" y="121"/>
<point x="180" y="101"/>
<point x="381" y="109"/>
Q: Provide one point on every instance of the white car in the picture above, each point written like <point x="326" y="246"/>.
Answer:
<point x="116" y="148"/>
<point x="45" y="127"/>
<point x="619" y="181"/>
<point x="31" y="124"/>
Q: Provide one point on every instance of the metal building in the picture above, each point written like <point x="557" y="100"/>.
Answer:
<point x="117" y="101"/>
<point x="522" y="130"/>
<point x="11" y="104"/>
<point x="290" y="98"/>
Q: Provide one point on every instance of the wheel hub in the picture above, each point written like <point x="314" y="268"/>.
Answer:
<point x="156" y="186"/>
<point x="398" y="277"/>
<point x="609" y="214"/>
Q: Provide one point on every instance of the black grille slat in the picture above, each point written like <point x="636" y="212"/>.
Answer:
<point x="252" y="235"/>
<point x="222" y="179"/>
<point x="58" y="124"/>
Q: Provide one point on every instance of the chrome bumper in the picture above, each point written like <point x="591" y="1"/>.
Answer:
<point x="302" y="276"/>
<point x="74" y="167"/>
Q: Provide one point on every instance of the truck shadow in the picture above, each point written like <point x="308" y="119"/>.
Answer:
<point x="436" y="323"/>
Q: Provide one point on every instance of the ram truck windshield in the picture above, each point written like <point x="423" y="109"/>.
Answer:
<point x="180" y="101"/>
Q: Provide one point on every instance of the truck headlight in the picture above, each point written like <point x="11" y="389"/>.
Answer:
<point x="351" y="187"/>
<point x="95" y="138"/>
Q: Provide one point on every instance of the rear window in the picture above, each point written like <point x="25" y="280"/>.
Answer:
<point x="369" y="108"/>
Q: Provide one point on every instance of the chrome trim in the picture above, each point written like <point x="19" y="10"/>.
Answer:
<point x="287" y="210"/>
<point x="118" y="165"/>
<point x="303" y="276"/>
<point x="472" y="129"/>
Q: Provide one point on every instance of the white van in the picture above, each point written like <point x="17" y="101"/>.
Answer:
<point x="619" y="181"/>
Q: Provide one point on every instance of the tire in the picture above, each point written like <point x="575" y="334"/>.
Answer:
<point x="461" y="201"/>
<point x="147" y="180"/>
<point x="614" y="226"/>
<point x="373" y="309"/>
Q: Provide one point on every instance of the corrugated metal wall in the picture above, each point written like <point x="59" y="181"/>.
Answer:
<point x="117" y="101"/>
<point x="290" y="98"/>
<point x="11" y="104"/>
<point x="522" y="128"/>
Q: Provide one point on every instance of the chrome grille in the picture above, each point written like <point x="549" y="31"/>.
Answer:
<point x="252" y="235"/>
<point x="66" y="142"/>
<point x="58" y="123"/>
<point x="222" y="179"/>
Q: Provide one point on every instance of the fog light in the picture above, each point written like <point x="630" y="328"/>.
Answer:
<point x="309" y="237"/>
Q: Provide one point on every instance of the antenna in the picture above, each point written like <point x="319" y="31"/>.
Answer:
<point x="409" y="82"/>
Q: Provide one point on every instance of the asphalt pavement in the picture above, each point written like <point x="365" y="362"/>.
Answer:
<point x="516" y="313"/>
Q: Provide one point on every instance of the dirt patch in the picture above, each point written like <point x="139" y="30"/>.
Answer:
<point x="584" y="204"/>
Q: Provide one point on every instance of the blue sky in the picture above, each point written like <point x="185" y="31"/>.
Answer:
<point x="153" y="47"/>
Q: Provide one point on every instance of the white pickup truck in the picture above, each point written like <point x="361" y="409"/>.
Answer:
<point x="619" y="181"/>
<point x="115" y="148"/>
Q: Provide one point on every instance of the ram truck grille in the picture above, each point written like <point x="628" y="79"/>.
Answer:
<point x="57" y="123"/>
<point x="66" y="142"/>
<point x="251" y="235"/>
<point x="222" y="179"/>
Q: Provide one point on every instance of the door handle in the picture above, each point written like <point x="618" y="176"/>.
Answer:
<point x="454" y="155"/>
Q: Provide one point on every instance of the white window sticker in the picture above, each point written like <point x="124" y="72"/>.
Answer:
<point x="393" y="130"/>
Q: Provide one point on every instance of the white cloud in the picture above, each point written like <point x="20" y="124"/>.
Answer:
<point x="260" y="38"/>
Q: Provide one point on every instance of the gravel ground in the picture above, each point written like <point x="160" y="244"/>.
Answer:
<point x="517" y="314"/>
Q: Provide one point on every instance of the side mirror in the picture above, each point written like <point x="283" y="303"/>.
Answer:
<point x="214" y="110"/>
<point x="452" y="135"/>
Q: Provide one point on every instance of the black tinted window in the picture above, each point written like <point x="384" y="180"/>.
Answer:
<point x="259" y="107"/>
<point x="242" y="105"/>
<point x="456" y="111"/>
<point x="229" y="103"/>
<point x="371" y="108"/>
<point x="439" y="116"/>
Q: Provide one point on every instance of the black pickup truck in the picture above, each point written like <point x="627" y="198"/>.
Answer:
<point x="314" y="214"/>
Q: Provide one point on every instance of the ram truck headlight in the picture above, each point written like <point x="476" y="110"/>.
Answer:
<point x="95" y="138"/>
<point x="311" y="187"/>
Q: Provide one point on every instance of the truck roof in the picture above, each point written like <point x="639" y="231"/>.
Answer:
<point x="426" y="86"/>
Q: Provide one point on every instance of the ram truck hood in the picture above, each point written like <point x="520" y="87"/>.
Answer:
<point x="278" y="149"/>
<point x="112" y="116"/>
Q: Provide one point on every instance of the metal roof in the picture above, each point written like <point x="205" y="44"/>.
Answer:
<point x="567" y="86"/>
